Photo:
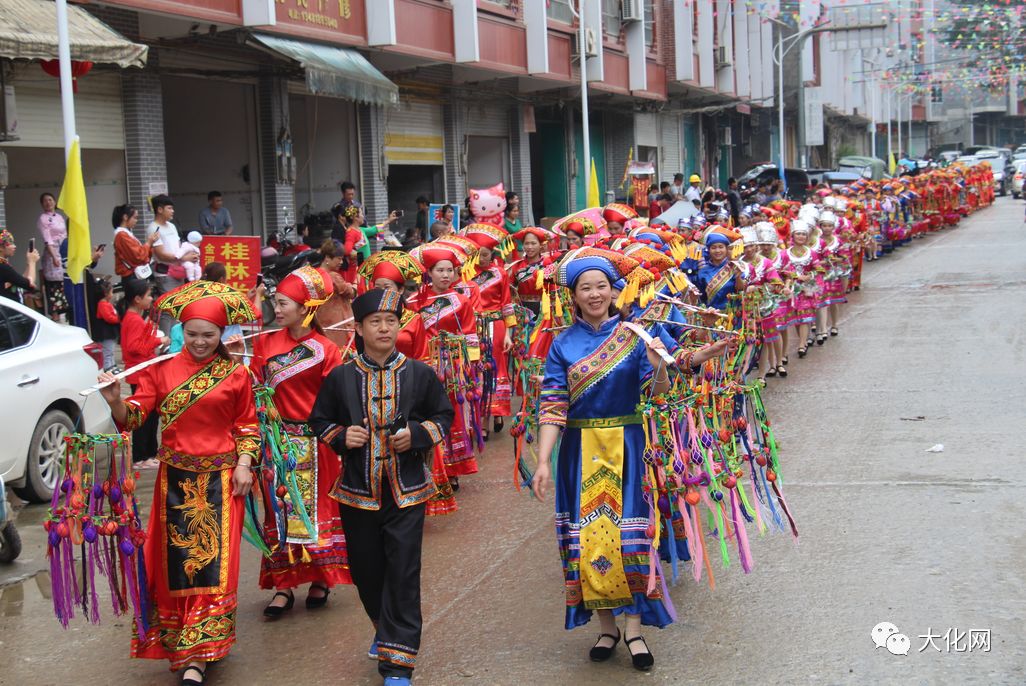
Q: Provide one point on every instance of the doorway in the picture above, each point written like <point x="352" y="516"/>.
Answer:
<point x="549" y="191"/>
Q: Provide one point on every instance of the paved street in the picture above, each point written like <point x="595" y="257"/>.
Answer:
<point x="931" y="351"/>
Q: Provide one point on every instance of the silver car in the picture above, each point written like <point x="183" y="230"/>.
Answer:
<point x="1018" y="177"/>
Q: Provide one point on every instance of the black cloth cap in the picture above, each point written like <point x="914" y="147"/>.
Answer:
<point x="378" y="300"/>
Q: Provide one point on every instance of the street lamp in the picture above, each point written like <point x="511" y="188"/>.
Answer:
<point x="798" y="39"/>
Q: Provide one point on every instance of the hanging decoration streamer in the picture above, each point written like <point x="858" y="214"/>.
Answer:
<point x="94" y="530"/>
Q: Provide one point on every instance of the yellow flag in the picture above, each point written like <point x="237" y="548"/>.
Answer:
<point x="73" y="203"/>
<point x="891" y="165"/>
<point x="593" y="187"/>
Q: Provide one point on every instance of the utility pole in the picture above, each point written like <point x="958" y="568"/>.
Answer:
<point x="585" y="127"/>
<point x="890" y="147"/>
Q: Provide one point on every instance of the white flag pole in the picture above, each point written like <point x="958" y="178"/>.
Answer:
<point x="64" y="57"/>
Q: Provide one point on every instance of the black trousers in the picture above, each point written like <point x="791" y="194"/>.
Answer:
<point x="384" y="549"/>
<point x="144" y="439"/>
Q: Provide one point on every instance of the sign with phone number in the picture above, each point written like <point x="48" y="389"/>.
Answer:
<point x="240" y="256"/>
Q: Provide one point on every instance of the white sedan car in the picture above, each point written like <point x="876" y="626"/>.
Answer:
<point x="43" y="366"/>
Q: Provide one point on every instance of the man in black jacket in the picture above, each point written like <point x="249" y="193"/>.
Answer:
<point x="383" y="413"/>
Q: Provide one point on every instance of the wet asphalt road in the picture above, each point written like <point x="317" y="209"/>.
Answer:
<point x="932" y="350"/>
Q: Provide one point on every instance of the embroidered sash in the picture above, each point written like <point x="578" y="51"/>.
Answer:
<point x="305" y="443"/>
<point x="718" y="281"/>
<point x="603" y="578"/>
<point x="282" y="367"/>
<point x="441" y="307"/>
<point x="582" y="374"/>
<point x="195" y="387"/>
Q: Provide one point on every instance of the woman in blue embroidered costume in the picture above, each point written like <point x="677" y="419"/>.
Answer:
<point x="209" y="440"/>
<point x="595" y="375"/>
<point x="718" y="277"/>
<point x="294" y="361"/>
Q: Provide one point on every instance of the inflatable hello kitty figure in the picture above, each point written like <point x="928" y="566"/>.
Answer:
<point x="488" y="205"/>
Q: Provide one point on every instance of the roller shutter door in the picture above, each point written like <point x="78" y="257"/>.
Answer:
<point x="98" y="116"/>
<point x="671" y="147"/>
<point x="487" y="120"/>
<point x="413" y="134"/>
<point x="646" y="129"/>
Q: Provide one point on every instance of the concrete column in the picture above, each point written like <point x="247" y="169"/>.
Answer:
<point x="145" y="155"/>
<point x="279" y="198"/>
<point x="453" y="135"/>
<point x="374" y="170"/>
<point x="520" y="163"/>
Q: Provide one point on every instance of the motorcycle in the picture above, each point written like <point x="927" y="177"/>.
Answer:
<point x="284" y="254"/>
<point x="10" y="540"/>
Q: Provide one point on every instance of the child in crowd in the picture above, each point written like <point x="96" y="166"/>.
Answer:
<point x="193" y="271"/>
<point x="218" y="273"/>
<point x="140" y="341"/>
<point x="107" y="321"/>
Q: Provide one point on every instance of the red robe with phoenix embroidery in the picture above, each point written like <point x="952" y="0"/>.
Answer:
<point x="195" y="527"/>
<point x="295" y="370"/>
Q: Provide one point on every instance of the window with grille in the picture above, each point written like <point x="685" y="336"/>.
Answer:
<point x="560" y="11"/>
<point x="650" y="24"/>
<point x="936" y="94"/>
<point x="611" y="18"/>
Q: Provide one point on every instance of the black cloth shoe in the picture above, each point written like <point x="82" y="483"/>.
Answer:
<point x="273" y="611"/>
<point x="188" y="680"/>
<point x="641" y="661"/>
<point x="313" y="602"/>
<point x="601" y="653"/>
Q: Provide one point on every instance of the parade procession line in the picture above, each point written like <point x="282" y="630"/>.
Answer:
<point x="931" y="542"/>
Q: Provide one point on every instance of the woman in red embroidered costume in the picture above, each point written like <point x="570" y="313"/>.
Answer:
<point x="209" y="441"/>
<point x="391" y="270"/>
<point x="524" y="273"/>
<point x="495" y="315"/>
<point x="451" y="326"/>
<point x="294" y="360"/>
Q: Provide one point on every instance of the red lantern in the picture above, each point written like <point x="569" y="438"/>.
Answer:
<point x="53" y="68"/>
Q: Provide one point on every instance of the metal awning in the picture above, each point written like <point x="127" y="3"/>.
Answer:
<point x="28" y="31"/>
<point x="338" y="72"/>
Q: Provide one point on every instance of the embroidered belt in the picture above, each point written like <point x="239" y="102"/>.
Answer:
<point x="295" y="428"/>
<point x="197" y="463"/>
<point x="603" y="422"/>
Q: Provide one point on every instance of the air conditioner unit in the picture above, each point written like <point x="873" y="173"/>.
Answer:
<point x="726" y="136"/>
<point x="632" y="11"/>
<point x="591" y="44"/>
<point x="721" y="58"/>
